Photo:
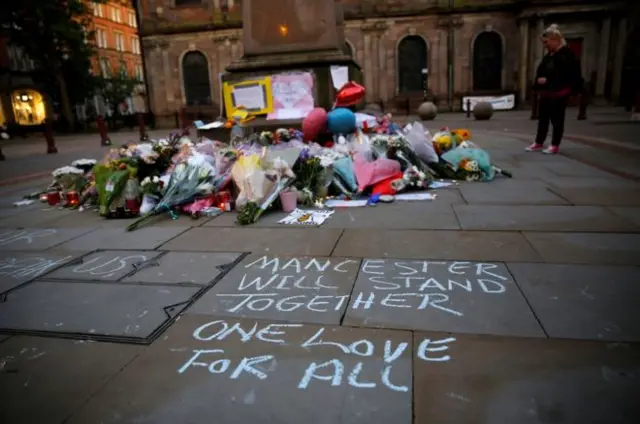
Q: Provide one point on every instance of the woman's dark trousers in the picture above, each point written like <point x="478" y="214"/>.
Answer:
<point x="552" y="110"/>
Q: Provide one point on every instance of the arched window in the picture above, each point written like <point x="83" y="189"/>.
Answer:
<point x="195" y="76"/>
<point x="487" y="61"/>
<point x="412" y="59"/>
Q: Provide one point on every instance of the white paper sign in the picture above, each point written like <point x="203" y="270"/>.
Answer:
<point x="498" y="102"/>
<point x="306" y="217"/>
<point x="340" y="76"/>
<point x="250" y="97"/>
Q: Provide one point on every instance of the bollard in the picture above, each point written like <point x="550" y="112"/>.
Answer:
<point x="582" y="106"/>
<point x="102" y="129"/>
<point x="534" y="106"/>
<point x="48" y="136"/>
<point x="468" y="108"/>
<point x="143" y="134"/>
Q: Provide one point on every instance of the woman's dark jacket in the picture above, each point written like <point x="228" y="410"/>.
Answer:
<point x="563" y="74"/>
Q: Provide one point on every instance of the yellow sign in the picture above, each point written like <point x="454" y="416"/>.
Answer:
<point x="255" y="97"/>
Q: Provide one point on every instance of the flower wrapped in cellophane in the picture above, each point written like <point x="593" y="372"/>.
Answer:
<point x="187" y="181"/>
<point x="262" y="182"/>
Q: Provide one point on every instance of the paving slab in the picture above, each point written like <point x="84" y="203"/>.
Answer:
<point x="93" y="219"/>
<point x="540" y="218"/>
<point x="500" y="380"/>
<point x="106" y="265"/>
<point x="583" y="301"/>
<point x="294" y="289"/>
<point x="577" y="169"/>
<point x="280" y="241"/>
<point x="456" y="297"/>
<point x="629" y="196"/>
<point x="102" y="311"/>
<point x="146" y="238"/>
<point x="44" y="380"/>
<point x="35" y="217"/>
<point x="587" y="248"/>
<point x="589" y="182"/>
<point x="198" y="268"/>
<point x="38" y="238"/>
<point x="4" y="337"/>
<point x="510" y="192"/>
<point x="274" y="373"/>
<point x="630" y="214"/>
<point x="452" y="245"/>
<point x="17" y="268"/>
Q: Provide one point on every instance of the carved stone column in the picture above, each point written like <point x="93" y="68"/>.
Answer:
<point x="374" y="60"/>
<point x="603" y="56"/>
<point x="539" y="47"/>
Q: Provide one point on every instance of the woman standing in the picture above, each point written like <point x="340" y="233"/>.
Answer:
<point x="558" y="77"/>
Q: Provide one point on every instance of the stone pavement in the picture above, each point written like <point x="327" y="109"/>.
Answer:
<point x="515" y="301"/>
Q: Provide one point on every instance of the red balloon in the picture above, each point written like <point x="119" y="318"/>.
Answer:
<point x="314" y="124"/>
<point x="350" y="94"/>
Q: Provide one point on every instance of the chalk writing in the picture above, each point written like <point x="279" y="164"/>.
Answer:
<point x="424" y="284"/>
<point x="26" y="236"/>
<point x="334" y="371"/>
<point x="290" y="284"/>
<point x="105" y="267"/>
<point x="28" y="267"/>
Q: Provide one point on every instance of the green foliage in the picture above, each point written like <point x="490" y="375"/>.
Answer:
<point x="116" y="89"/>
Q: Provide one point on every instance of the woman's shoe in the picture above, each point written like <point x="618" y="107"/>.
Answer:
<point x="534" y="147"/>
<point x="551" y="150"/>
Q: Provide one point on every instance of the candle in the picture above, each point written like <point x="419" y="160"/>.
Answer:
<point x="53" y="197"/>
<point x="72" y="198"/>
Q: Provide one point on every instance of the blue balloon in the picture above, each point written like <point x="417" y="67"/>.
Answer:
<point x="341" y="121"/>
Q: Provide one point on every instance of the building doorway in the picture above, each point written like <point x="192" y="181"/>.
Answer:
<point x="412" y="59"/>
<point x="487" y="62"/>
<point x="28" y="107"/>
<point x="195" y="77"/>
<point x="576" y="45"/>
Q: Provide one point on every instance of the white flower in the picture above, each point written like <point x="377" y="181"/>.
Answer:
<point x="422" y="175"/>
<point x="163" y="142"/>
<point x="156" y="179"/>
<point x="84" y="162"/>
<point x="66" y="170"/>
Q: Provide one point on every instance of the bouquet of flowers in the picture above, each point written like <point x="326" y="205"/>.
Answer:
<point x="85" y="164"/>
<point x="269" y="182"/>
<point x="152" y="186"/>
<point x="69" y="178"/>
<point x="308" y="171"/>
<point x="186" y="183"/>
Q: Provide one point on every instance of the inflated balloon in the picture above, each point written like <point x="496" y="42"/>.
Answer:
<point x="350" y="94"/>
<point x="341" y="121"/>
<point x="314" y="124"/>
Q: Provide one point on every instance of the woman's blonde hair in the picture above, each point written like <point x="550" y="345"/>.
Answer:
<point x="554" y="32"/>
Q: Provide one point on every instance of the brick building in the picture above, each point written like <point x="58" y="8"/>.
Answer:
<point x="116" y="39"/>
<point x="468" y="47"/>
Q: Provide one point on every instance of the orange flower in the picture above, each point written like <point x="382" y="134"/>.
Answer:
<point x="123" y="166"/>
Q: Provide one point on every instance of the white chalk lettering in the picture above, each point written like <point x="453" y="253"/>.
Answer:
<point x="192" y="361"/>
<point x="431" y="283"/>
<point x="247" y="365"/>
<point x="28" y="267"/>
<point x="256" y="283"/>
<point x="379" y="280"/>
<point x="484" y="269"/>
<point x="96" y="266"/>
<point x="424" y="348"/>
<point x="27" y="236"/>
<point x="225" y="331"/>
<point x="367" y="303"/>
<point x="368" y="348"/>
<point x="249" y="300"/>
<point x="310" y="373"/>
<point x="274" y="330"/>
<point x="396" y="297"/>
<point x="370" y="264"/>
<point x="455" y="267"/>
<point x="408" y="269"/>
<point x="315" y="340"/>
<point x="389" y="355"/>
<point x="286" y="304"/>
<point x="435" y="299"/>
<point x="263" y="301"/>
<point x="386" y="380"/>
<point x="466" y="286"/>
<point x="353" y="378"/>
<point x="224" y="366"/>
<point x="298" y="265"/>
<point x="497" y="287"/>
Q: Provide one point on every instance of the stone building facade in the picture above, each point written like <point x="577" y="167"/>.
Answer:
<point x="466" y="47"/>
